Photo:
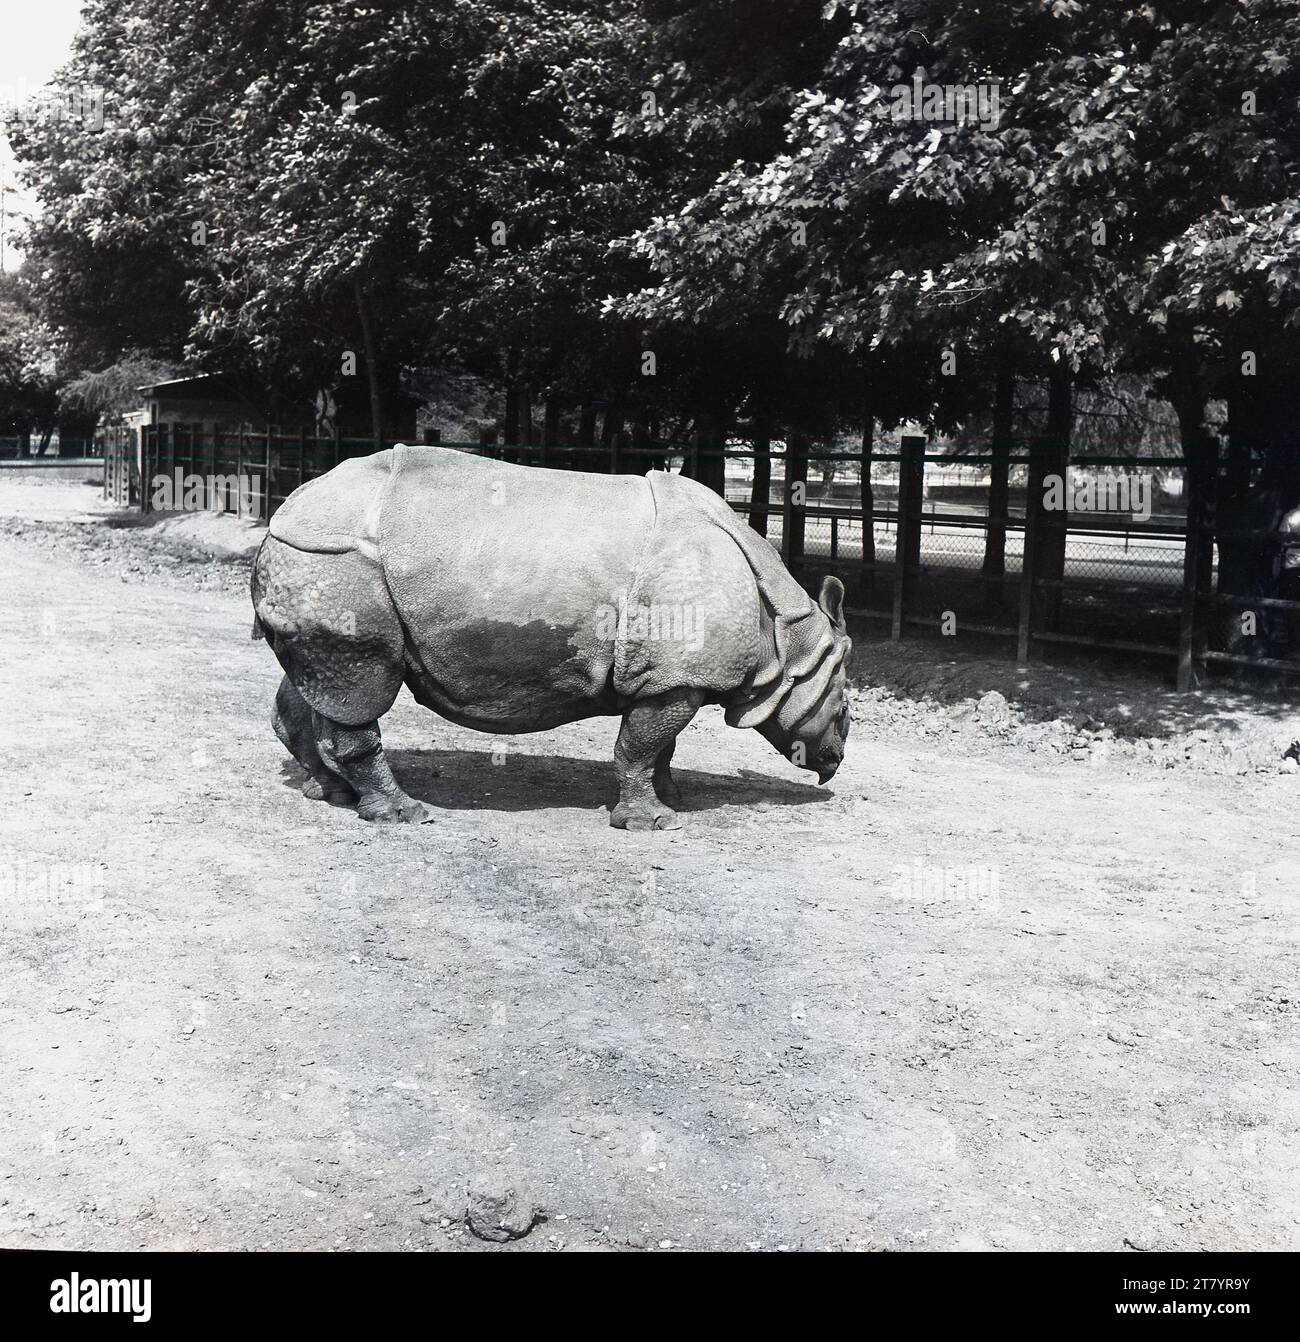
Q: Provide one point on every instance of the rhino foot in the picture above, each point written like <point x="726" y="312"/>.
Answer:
<point x="390" y="810"/>
<point x="624" y="816"/>
<point x="339" y="794"/>
<point x="356" y="755"/>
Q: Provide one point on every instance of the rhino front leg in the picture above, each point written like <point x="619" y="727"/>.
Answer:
<point x="357" y="754"/>
<point x="648" y="735"/>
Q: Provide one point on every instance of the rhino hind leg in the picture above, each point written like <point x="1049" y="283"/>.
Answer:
<point x="665" y="785"/>
<point x="330" y="620"/>
<point x="293" y="723"/>
<point x="356" y="753"/>
<point x="648" y="736"/>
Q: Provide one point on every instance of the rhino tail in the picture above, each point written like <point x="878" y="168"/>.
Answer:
<point x="255" y="586"/>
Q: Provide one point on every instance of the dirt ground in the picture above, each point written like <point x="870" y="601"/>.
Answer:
<point x="233" y="1018"/>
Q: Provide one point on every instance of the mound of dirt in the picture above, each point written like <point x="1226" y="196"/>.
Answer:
<point x="1080" y="715"/>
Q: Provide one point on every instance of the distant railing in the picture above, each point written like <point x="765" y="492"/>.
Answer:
<point x="13" y="448"/>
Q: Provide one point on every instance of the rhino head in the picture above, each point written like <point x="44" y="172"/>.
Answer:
<point x="810" y="722"/>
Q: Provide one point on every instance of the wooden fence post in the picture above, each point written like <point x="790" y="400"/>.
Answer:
<point x="907" y="537"/>
<point x="270" y="506"/>
<point x="189" y="461"/>
<point x="150" y="464"/>
<point x="166" y="462"/>
<point x="1038" y="454"/>
<point x="796" y="495"/>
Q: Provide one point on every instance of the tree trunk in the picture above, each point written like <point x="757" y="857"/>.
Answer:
<point x="510" y="429"/>
<point x="526" y="415"/>
<point x="636" y="460"/>
<point x="372" y="363"/>
<point x="760" y="495"/>
<point x="1049" y="561"/>
<point x="1201" y="463"/>
<point x="1263" y="428"/>
<point x="712" y="464"/>
<point x="587" y="425"/>
<point x="995" y="542"/>
<point x="867" y="582"/>
<point x="551" y="421"/>
<point x="1244" y="568"/>
<point x="1242" y="441"/>
<point x="612" y="422"/>
<point x="658" y="461"/>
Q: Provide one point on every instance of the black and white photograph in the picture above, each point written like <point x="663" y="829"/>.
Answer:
<point x="650" y="627"/>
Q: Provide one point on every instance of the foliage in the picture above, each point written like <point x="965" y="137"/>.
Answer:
<point x="541" y="191"/>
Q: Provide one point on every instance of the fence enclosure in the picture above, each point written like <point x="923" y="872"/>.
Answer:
<point x="930" y="553"/>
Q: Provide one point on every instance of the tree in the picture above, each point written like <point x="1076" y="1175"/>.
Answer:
<point x="108" y="393"/>
<point x="29" y="398"/>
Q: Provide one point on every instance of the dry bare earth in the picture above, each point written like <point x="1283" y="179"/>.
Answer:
<point x="284" y="1027"/>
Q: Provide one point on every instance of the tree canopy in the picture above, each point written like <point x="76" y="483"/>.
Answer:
<point x="543" y="191"/>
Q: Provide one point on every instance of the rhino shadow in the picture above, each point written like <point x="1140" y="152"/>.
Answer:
<point x="467" y="780"/>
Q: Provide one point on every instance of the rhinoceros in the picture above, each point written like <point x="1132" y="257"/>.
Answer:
<point x="515" y="599"/>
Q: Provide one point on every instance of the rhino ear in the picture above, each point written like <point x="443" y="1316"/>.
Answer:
<point x="831" y="600"/>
